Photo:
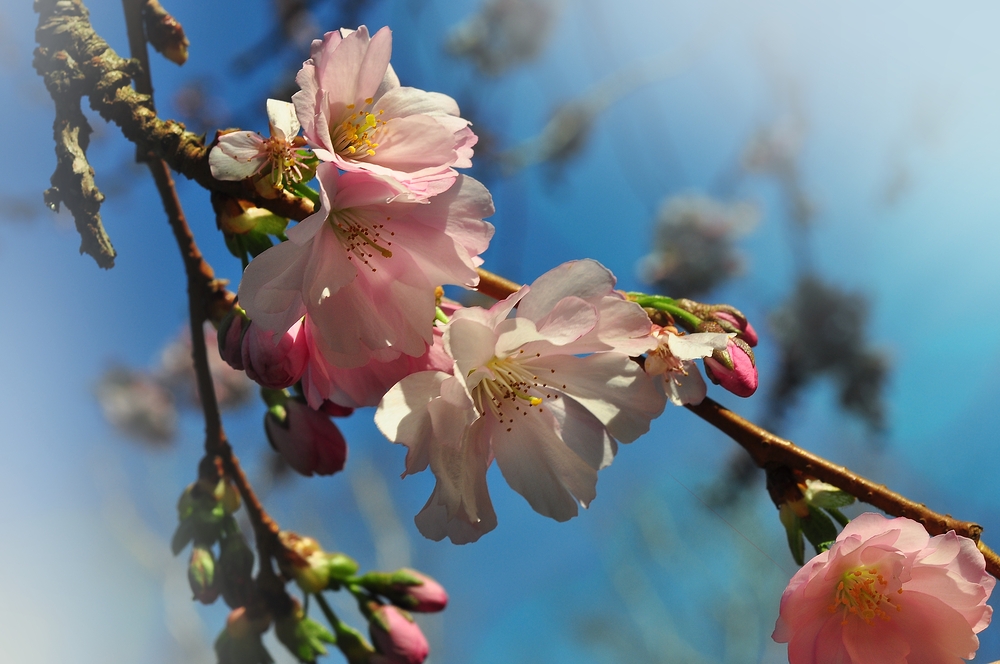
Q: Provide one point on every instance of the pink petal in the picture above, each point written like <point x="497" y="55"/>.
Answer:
<point x="611" y="386"/>
<point x="540" y="466"/>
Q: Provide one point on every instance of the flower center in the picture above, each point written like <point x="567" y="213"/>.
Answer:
<point x="355" y="135"/>
<point x="861" y="592"/>
<point x="286" y="159"/>
<point x="360" y="236"/>
<point x="511" y="388"/>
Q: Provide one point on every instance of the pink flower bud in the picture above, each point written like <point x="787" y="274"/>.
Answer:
<point x="308" y="440"/>
<point x="740" y="325"/>
<point x="275" y="365"/>
<point x="426" y="596"/>
<point x="734" y="368"/>
<point x="396" y="636"/>
<point x="230" y="338"/>
<point x="407" y="589"/>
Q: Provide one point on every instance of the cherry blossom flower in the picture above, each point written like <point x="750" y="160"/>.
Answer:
<point x="356" y="115"/>
<point x="886" y="592"/>
<point x="365" y="266"/>
<point x="358" y="387"/>
<point x="243" y="154"/>
<point x="521" y="393"/>
<point x="673" y="358"/>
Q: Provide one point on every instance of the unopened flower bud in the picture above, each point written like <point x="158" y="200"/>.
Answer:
<point x="733" y="368"/>
<point x="734" y="321"/>
<point x="335" y="409"/>
<point x="408" y="589"/>
<point x="308" y="440"/>
<point x="341" y="566"/>
<point x="201" y="575"/>
<point x="165" y="33"/>
<point x="308" y="564"/>
<point x="230" y="337"/>
<point x="275" y="364"/>
<point x="240" y="642"/>
<point x="234" y="570"/>
<point x="396" y="636"/>
<point x="303" y="636"/>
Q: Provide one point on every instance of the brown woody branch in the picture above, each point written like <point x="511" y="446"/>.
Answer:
<point x="773" y="453"/>
<point x="75" y="62"/>
<point x="205" y="295"/>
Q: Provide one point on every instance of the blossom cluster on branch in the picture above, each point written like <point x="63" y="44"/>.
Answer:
<point x="347" y="310"/>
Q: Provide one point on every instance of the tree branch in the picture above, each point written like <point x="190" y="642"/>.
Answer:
<point x="71" y="56"/>
<point x="73" y="180"/>
<point x="205" y="294"/>
<point x="771" y="452"/>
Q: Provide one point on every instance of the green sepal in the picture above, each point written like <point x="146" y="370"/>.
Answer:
<point x="838" y="516"/>
<point x="342" y="567"/>
<point x="303" y="637"/>
<point x="793" y="530"/>
<point x="182" y="536"/>
<point x="818" y="528"/>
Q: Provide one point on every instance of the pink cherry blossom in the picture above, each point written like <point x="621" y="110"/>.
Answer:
<point x="673" y="358"/>
<point x="242" y="154"/>
<point x="887" y="593"/>
<point x="522" y="394"/>
<point x="356" y="115"/>
<point x="364" y="267"/>
<point x="358" y="387"/>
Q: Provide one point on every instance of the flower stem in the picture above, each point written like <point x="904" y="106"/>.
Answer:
<point x="305" y="191"/>
<point x="667" y="305"/>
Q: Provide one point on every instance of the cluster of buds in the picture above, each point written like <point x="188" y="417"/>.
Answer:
<point x="731" y="365"/>
<point x="205" y="511"/>
<point x="384" y="598"/>
<point x="307" y="439"/>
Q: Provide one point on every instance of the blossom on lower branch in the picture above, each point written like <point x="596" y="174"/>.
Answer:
<point x="521" y="393"/>
<point x="886" y="592"/>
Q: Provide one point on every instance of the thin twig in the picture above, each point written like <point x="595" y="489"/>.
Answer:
<point x="495" y="286"/>
<point x="202" y="290"/>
